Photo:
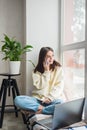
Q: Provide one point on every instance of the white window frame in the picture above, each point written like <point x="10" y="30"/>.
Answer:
<point x="78" y="45"/>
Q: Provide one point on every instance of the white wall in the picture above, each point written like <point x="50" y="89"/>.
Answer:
<point x="41" y="30"/>
<point x="11" y="23"/>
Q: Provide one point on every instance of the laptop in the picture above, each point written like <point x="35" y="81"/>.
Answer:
<point x="65" y="114"/>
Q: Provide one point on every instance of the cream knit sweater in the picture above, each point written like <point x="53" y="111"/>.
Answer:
<point x="49" y="84"/>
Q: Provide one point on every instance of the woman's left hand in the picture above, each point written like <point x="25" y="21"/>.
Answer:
<point x="46" y="100"/>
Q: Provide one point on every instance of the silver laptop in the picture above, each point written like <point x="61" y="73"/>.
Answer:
<point x="65" y="114"/>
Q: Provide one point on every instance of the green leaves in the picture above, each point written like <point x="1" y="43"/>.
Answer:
<point x="27" y="48"/>
<point x="13" y="49"/>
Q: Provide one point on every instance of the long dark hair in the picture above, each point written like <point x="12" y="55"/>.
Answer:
<point x="41" y="59"/>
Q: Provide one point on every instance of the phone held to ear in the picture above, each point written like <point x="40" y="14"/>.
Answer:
<point x="46" y="63"/>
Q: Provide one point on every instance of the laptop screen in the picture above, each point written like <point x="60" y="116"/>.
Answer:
<point x="67" y="113"/>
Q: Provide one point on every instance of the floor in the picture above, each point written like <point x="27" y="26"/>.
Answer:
<point x="13" y="123"/>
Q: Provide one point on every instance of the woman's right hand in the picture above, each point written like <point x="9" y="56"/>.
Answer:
<point x="46" y="65"/>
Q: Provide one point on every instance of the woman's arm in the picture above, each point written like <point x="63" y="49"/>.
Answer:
<point x="57" y="89"/>
<point x="41" y="81"/>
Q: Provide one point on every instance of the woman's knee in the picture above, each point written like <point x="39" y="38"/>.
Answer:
<point x="23" y="99"/>
<point x="26" y="102"/>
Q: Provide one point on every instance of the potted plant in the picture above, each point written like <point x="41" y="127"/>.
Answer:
<point x="13" y="51"/>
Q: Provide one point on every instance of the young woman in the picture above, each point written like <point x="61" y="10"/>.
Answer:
<point x="48" y="85"/>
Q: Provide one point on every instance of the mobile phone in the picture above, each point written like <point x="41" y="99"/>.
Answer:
<point x="47" y="61"/>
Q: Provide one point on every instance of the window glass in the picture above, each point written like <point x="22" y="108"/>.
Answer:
<point x="74" y="68"/>
<point x="74" y="21"/>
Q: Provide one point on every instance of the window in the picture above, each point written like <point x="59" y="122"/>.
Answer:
<point x="74" y="66"/>
<point x="74" y="21"/>
<point x="73" y="47"/>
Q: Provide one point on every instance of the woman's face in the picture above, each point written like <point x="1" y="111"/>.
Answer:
<point x="49" y="57"/>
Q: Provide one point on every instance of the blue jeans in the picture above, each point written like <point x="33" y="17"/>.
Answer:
<point x="32" y="103"/>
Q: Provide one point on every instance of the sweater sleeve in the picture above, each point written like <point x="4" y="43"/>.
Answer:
<point x="57" y="89"/>
<point x="41" y="80"/>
